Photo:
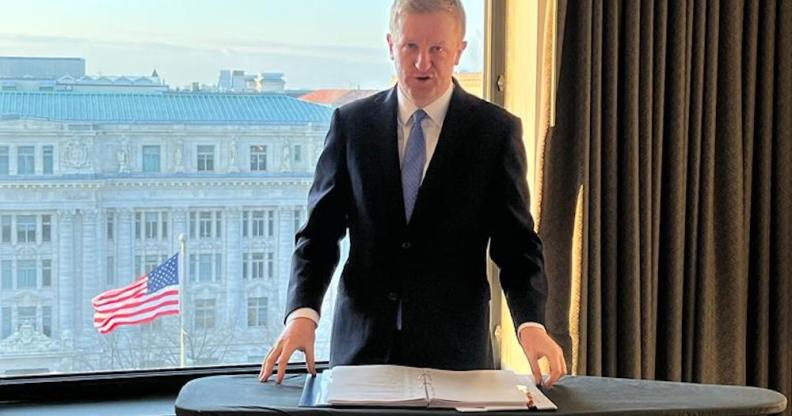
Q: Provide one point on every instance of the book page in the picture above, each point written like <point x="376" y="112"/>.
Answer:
<point x="376" y="385"/>
<point x="479" y="388"/>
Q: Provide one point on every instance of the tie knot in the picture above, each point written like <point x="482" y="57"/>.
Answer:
<point x="418" y="116"/>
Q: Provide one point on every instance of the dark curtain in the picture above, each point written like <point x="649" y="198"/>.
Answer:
<point x="674" y="124"/>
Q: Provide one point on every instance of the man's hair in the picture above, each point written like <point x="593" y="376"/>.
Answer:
<point x="400" y="7"/>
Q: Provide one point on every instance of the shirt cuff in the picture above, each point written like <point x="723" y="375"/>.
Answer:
<point x="525" y="325"/>
<point x="303" y="313"/>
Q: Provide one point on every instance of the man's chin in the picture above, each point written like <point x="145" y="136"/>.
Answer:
<point x="422" y="95"/>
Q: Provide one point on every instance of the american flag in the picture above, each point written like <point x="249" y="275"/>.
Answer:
<point x="152" y="295"/>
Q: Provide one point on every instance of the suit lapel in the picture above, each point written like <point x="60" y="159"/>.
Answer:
<point x="386" y="122"/>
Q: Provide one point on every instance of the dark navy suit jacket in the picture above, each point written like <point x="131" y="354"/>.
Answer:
<point x="474" y="192"/>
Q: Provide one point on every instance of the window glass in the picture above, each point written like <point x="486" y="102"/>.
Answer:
<point x="4" y="166"/>
<point x="161" y="120"/>
<point x="26" y="160"/>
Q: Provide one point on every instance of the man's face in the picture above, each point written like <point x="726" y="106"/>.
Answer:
<point x="425" y="51"/>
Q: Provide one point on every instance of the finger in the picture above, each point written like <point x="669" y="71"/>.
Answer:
<point x="269" y="362"/>
<point x="283" y="362"/>
<point x="537" y="373"/>
<point x="558" y="369"/>
<point x="309" y="358"/>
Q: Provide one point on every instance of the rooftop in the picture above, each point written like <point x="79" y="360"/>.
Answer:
<point x="141" y="108"/>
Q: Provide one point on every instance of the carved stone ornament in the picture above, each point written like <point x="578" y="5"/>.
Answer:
<point x="28" y="340"/>
<point x="77" y="154"/>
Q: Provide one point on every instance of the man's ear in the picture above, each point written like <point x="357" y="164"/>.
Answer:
<point x="389" y="39"/>
<point x="462" y="46"/>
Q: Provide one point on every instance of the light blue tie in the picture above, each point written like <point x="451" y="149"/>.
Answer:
<point x="413" y="163"/>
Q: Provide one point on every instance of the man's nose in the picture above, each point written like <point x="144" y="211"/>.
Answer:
<point x="423" y="62"/>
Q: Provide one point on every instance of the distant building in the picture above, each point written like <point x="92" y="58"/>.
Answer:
<point x="239" y="81"/>
<point x="335" y="97"/>
<point x="103" y="83"/>
<point x="95" y="189"/>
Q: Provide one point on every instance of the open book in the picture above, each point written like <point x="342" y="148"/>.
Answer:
<point x="398" y="386"/>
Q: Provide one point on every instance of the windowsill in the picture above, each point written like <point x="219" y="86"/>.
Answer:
<point x="142" y="406"/>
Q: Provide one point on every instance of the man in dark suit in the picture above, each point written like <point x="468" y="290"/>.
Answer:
<point x="424" y="176"/>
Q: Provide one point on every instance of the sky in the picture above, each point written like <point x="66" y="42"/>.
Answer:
<point x="315" y="43"/>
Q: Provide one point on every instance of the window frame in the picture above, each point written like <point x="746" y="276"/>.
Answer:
<point x="107" y="385"/>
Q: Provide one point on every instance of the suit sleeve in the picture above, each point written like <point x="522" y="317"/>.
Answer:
<point x="316" y="251"/>
<point x="515" y="247"/>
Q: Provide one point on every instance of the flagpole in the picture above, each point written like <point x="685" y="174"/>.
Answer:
<point x="182" y="286"/>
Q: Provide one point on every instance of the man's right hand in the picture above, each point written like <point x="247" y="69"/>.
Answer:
<point x="299" y="335"/>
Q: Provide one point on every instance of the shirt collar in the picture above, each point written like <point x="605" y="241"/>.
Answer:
<point x="436" y="110"/>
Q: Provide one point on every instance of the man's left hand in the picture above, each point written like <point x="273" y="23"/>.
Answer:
<point x="536" y="343"/>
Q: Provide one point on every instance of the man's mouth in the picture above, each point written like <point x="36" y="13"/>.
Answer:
<point x="422" y="79"/>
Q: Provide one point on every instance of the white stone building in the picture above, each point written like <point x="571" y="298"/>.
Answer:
<point x="94" y="191"/>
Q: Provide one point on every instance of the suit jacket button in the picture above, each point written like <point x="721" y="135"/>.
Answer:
<point x="406" y="245"/>
<point x="393" y="296"/>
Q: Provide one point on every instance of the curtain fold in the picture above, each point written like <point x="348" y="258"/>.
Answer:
<point x="674" y="127"/>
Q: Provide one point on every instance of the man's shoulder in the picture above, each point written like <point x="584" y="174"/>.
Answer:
<point x="483" y="111"/>
<point x="364" y="105"/>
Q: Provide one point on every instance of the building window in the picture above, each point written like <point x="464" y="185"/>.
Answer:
<point x="5" y="275"/>
<point x="26" y="315"/>
<point x="206" y="267"/>
<point x="258" y="158"/>
<point x="4" y="160"/>
<point x="46" y="320"/>
<point x="164" y="225"/>
<point x="257" y="266"/>
<point x="26" y="160"/>
<point x="257" y="312"/>
<point x="26" y="274"/>
<point x="110" y="272"/>
<point x="110" y="225"/>
<point x="297" y="220"/>
<point x="48" y="160"/>
<point x="5" y="224"/>
<point x="152" y="222"/>
<point x="257" y="223"/>
<point x="297" y="153"/>
<point x="46" y="273"/>
<point x="205" y="158"/>
<point x="138" y="225"/>
<point x="270" y="223"/>
<point x="204" y="313"/>
<point x="26" y="229"/>
<point x="205" y="222"/>
<point x="270" y="265"/>
<point x="151" y="159"/>
<point x="46" y="228"/>
<point x="5" y="311"/>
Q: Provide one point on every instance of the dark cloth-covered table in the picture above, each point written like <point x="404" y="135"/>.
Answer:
<point x="574" y="395"/>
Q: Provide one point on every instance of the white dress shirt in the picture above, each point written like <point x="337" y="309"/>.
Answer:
<point x="432" y="125"/>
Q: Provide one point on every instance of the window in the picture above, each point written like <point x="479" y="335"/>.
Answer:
<point x="5" y="275"/>
<point x="46" y="320"/>
<point x="5" y="224"/>
<point x="26" y="229"/>
<point x="46" y="228"/>
<point x="5" y="315"/>
<point x="204" y="314"/>
<point x="4" y="168"/>
<point x="297" y="153"/>
<point x="110" y="225"/>
<point x="48" y="159"/>
<point x="110" y="272"/>
<point x="164" y="149"/>
<point x="206" y="267"/>
<point x="26" y="160"/>
<point x="46" y="273"/>
<point x="26" y="274"/>
<point x="256" y="312"/>
<point x="205" y="158"/>
<point x="151" y="159"/>
<point x="152" y="222"/>
<point x="297" y="219"/>
<point x="258" y="158"/>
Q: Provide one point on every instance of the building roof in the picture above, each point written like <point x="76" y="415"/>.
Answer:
<point x="187" y="108"/>
<point x="335" y="97"/>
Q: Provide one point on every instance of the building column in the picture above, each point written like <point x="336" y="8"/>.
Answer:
<point x="65" y="274"/>
<point x="91" y="260"/>
<point x="124" y="264"/>
<point x="235" y="288"/>
<point x="284" y="247"/>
